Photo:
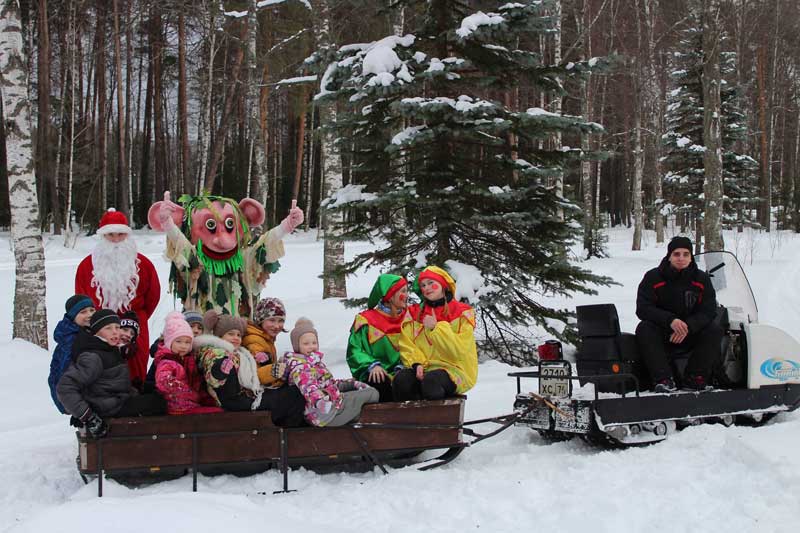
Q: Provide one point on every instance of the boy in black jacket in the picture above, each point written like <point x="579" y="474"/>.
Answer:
<point x="97" y="383"/>
<point x="677" y="304"/>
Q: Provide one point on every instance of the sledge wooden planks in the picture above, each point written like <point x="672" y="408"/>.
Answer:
<point x="149" y="443"/>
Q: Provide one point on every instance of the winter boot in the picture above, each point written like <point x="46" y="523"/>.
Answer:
<point x="696" y="383"/>
<point x="665" y="385"/>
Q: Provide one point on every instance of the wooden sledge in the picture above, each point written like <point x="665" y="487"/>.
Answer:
<point x="248" y="442"/>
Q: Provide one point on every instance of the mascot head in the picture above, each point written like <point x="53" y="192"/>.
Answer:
<point x="218" y="227"/>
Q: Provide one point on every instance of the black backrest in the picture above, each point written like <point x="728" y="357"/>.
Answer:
<point x="599" y="320"/>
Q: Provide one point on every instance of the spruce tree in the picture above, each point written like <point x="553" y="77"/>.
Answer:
<point x="445" y="173"/>
<point x="684" y="144"/>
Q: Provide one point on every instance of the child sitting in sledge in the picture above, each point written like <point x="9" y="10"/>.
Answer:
<point x="195" y="320"/>
<point x="97" y="383"/>
<point x="329" y="401"/>
<point x="177" y="377"/>
<point x="79" y="311"/>
<point x="128" y="333"/>
<point x="269" y="318"/>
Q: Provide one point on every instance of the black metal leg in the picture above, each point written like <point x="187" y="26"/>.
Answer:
<point x="365" y="448"/>
<point x="99" y="468"/>
<point x="194" y="463"/>
<point x="284" y="434"/>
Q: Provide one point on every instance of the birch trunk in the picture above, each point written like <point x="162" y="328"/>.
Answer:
<point x="712" y="126"/>
<point x="559" y="179"/>
<point x="30" y="313"/>
<point x="586" y="165"/>
<point x="69" y="240"/>
<point x="651" y="103"/>
<point x="638" y="173"/>
<point x="257" y="120"/>
<point x="333" y="280"/>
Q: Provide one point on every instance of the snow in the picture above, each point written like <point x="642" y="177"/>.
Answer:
<point x="464" y="103"/>
<point x="349" y="194"/>
<point x="381" y="56"/>
<point x="683" y="141"/>
<point x="298" y="79"/>
<point x="705" y="478"/>
<point x="265" y="3"/>
<point x="473" y="22"/>
<point x="538" y="112"/>
<point x="407" y="134"/>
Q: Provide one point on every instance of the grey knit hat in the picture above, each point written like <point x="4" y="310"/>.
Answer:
<point x="301" y="327"/>
<point x="219" y="324"/>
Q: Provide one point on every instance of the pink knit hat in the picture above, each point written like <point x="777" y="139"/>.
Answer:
<point x="176" y="326"/>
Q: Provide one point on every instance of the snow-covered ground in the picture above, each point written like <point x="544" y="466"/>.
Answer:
<point x="705" y="478"/>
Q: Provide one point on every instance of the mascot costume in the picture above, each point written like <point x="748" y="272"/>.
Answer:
<point x="217" y="261"/>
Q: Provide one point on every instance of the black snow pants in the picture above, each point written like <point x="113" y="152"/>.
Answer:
<point x="435" y="385"/>
<point x="286" y="406"/>
<point x="655" y="350"/>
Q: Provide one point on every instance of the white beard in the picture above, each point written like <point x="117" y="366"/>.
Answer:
<point x="116" y="273"/>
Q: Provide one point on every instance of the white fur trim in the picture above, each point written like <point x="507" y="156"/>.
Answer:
<point x="248" y="369"/>
<point x="113" y="228"/>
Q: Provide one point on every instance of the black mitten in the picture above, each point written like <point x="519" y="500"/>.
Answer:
<point x="95" y="426"/>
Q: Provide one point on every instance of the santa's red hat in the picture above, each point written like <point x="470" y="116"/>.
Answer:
<point x="113" y="221"/>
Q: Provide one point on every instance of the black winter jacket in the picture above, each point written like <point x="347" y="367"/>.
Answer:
<point x="97" y="379"/>
<point x="666" y="294"/>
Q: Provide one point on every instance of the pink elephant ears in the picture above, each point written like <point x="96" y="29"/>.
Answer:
<point x="253" y="211"/>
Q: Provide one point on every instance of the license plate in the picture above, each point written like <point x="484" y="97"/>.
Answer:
<point x="554" y="379"/>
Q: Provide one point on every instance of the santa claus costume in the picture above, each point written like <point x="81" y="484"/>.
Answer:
<point x="117" y="277"/>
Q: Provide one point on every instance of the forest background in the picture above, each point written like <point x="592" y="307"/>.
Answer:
<point x="130" y="98"/>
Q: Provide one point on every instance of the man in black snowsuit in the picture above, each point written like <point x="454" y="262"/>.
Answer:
<point x="677" y="304"/>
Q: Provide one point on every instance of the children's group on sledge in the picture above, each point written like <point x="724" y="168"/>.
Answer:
<point x="217" y="361"/>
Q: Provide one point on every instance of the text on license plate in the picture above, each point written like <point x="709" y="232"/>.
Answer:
<point x="554" y="379"/>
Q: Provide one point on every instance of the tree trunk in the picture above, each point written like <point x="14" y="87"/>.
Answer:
<point x="638" y="173"/>
<point x="651" y="94"/>
<point x="765" y="207"/>
<point x="69" y="239"/>
<point x="30" y="313"/>
<point x="559" y="179"/>
<point x="334" y="284"/>
<point x="712" y="126"/>
<point x="256" y="115"/>
<point x="183" y="109"/>
<point x="100" y="91"/>
<point x="43" y="151"/>
<point x="586" y="166"/>
<point x="230" y="97"/>
<point x="122" y="163"/>
<point x="160" y="177"/>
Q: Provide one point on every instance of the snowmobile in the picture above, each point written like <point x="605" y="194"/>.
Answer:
<point x="757" y="377"/>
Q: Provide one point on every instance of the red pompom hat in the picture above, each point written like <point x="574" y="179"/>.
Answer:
<point x="113" y="221"/>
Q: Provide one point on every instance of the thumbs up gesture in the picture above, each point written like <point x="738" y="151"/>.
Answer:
<point x="294" y="219"/>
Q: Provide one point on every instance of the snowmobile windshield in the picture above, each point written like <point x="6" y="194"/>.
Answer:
<point x="730" y="282"/>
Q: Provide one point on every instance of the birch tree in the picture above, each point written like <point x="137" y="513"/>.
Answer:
<point x="712" y="126"/>
<point x="30" y="313"/>
<point x="333" y="279"/>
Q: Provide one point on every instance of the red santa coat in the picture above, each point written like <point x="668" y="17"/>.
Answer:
<point x="148" y="293"/>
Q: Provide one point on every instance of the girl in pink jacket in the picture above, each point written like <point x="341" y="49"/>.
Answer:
<point x="178" y="379"/>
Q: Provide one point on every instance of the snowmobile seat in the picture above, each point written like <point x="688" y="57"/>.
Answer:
<point x="604" y="349"/>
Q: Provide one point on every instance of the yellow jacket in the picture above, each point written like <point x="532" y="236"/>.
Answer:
<point x="256" y="340"/>
<point x="450" y="346"/>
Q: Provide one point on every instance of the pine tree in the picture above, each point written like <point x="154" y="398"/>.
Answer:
<point x="445" y="172"/>
<point x="684" y="143"/>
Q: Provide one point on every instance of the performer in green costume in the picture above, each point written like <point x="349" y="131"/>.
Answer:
<point x="372" y="349"/>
